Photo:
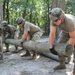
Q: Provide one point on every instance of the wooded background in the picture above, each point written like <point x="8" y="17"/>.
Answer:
<point x="34" y="11"/>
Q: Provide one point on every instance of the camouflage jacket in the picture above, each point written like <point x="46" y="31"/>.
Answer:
<point x="9" y="32"/>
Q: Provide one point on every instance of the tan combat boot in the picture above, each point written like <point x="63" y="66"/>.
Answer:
<point x="35" y="56"/>
<point x="7" y="49"/>
<point x="25" y="53"/>
<point x="62" y="63"/>
<point x="16" y="50"/>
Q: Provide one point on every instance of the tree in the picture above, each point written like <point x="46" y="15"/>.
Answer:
<point x="62" y="5"/>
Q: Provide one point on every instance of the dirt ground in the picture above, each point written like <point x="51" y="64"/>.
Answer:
<point x="13" y="64"/>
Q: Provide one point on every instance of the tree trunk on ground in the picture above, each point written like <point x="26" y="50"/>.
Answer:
<point x="41" y="47"/>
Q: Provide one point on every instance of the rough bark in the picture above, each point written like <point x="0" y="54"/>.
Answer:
<point x="40" y="46"/>
<point x="1" y="13"/>
<point x="54" y="3"/>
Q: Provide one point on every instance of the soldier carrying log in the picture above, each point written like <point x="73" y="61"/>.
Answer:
<point x="30" y="32"/>
<point x="9" y="32"/>
<point x="66" y="22"/>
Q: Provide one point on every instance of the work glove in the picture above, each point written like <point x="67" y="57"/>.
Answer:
<point x="53" y="51"/>
<point x="21" y="44"/>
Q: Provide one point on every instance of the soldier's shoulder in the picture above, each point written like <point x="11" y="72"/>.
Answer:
<point x="11" y="25"/>
<point x="69" y="16"/>
<point x="27" y="22"/>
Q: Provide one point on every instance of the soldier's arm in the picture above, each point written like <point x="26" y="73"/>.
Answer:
<point x="52" y="35"/>
<point x="24" y="36"/>
<point x="72" y="38"/>
<point x="16" y="32"/>
<point x="11" y="32"/>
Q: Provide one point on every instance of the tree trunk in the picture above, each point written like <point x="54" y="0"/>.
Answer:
<point x="1" y="13"/>
<point x="41" y="47"/>
<point x="7" y="10"/>
<point x="62" y="4"/>
<point x="4" y="9"/>
<point x="54" y="3"/>
<point x="24" y="12"/>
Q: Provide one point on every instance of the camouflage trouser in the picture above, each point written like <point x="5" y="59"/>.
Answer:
<point x="8" y="36"/>
<point x="16" y="35"/>
<point x="63" y="38"/>
<point x="37" y="36"/>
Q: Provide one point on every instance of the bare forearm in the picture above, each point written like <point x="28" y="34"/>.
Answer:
<point x="72" y="38"/>
<point x="71" y="41"/>
<point x="51" y="40"/>
<point x="23" y="38"/>
<point x="52" y="35"/>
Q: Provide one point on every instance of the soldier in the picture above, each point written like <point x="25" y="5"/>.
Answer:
<point x="30" y="32"/>
<point x="9" y="32"/>
<point x="66" y="22"/>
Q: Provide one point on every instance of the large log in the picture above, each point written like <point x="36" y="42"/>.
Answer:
<point x="42" y="46"/>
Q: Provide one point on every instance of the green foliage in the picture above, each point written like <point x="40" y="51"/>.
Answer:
<point x="70" y="6"/>
<point x="34" y="11"/>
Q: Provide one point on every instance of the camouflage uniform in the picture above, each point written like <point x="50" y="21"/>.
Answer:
<point x="68" y="25"/>
<point x="34" y="32"/>
<point x="10" y="32"/>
